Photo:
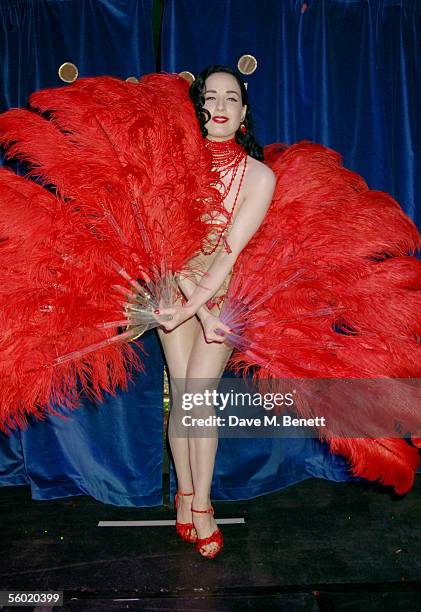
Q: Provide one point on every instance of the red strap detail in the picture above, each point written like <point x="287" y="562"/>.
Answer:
<point x="209" y="510"/>
<point x="226" y="245"/>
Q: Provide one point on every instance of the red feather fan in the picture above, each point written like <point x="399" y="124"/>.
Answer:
<point x="129" y="185"/>
<point x="329" y="288"/>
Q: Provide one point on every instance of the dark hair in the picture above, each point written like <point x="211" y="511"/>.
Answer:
<point x="247" y="140"/>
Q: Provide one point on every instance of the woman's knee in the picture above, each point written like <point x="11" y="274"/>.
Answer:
<point x="207" y="360"/>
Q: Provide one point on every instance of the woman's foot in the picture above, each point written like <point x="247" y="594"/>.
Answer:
<point x="184" y="523"/>
<point x="209" y="537"/>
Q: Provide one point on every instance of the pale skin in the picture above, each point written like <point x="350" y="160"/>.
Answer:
<point x="191" y="343"/>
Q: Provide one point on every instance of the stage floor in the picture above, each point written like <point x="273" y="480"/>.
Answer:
<point x="317" y="545"/>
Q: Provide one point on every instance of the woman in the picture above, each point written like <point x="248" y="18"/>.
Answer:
<point x="193" y="347"/>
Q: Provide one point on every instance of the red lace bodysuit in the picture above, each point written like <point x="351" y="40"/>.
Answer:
<point x="200" y="264"/>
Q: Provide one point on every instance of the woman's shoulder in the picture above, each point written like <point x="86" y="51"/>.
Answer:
<point x="260" y="184"/>
<point x="260" y="171"/>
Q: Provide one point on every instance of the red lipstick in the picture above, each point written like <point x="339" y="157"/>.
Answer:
<point x="220" y="119"/>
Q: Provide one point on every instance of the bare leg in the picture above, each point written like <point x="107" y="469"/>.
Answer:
<point x="177" y="345"/>
<point x="190" y="357"/>
<point x="206" y="366"/>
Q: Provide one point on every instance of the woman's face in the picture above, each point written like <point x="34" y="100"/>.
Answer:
<point x="223" y="100"/>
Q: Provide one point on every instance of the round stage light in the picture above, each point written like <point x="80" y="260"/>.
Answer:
<point x="68" y="72"/>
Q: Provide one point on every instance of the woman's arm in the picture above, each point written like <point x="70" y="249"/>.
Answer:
<point x="188" y="287"/>
<point x="245" y="225"/>
<point x="213" y="328"/>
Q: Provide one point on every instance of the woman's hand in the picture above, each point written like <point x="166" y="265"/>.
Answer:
<point x="213" y="328"/>
<point x="170" y="318"/>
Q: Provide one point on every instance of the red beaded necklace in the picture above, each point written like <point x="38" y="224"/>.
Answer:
<point x="227" y="156"/>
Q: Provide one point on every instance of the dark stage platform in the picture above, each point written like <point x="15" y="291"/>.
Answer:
<point x="317" y="545"/>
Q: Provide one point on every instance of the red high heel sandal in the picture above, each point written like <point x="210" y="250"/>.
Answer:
<point x="184" y="530"/>
<point x="216" y="537"/>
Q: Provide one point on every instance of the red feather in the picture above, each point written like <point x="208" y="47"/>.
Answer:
<point x="132" y="184"/>
<point x="390" y="461"/>
<point x="329" y="288"/>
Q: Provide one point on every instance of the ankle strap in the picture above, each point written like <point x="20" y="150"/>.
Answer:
<point x="208" y="511"/>
<point x="180" y="493"/>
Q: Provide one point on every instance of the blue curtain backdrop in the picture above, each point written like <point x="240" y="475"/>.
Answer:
<point x="111" y="37"/>
<point x="113" y="451"/>
<point x="345" y="73"/>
